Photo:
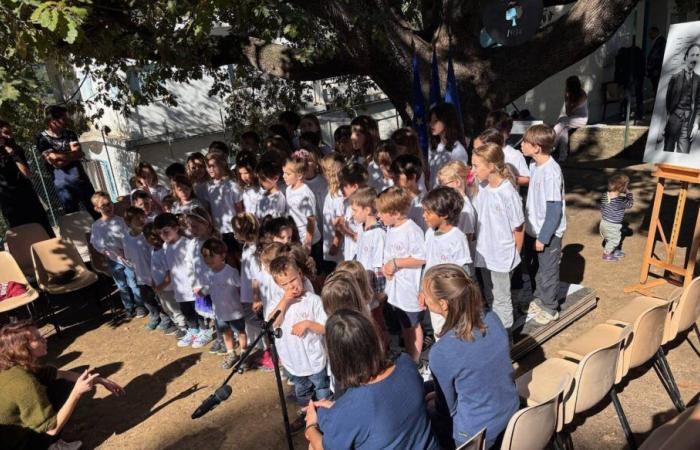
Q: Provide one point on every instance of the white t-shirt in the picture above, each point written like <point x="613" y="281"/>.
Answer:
<point x="274" y="205"/>
<point x="499" y="212"/>
<point x="251" y="198"/>
<point x="333" y="207"/>
<point x="159" y="268"/>
<point x="415" y="213"/>
<point x="224" y="289"/>
<point x="199" y="268"/>
<point x="370" y="247"/>
<point x="305" y="355"/>
<point x="178" y="257"/>
<point x="250" y="267"/>
<point x="516" y="161"/>
<point x="404" y="241"/>
<point x="546" y="185"/>
<point x="319" y="186"/>
<point x="223" y="196"/>
<point x="158" y="192"/>
<point x="376" y="178"/>
<point x="108" y="236"/>
<point x="349" y="245"/>
<point x="451" y="247"/>
<point x="138" y="253"/>
<point x="438" y="157"/>
<point x="270" y="292"/>
<point x="467" y="218"/>
<point x="301" y="204"/>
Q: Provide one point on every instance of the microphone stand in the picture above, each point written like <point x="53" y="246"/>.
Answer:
<point x="272" y="334"/>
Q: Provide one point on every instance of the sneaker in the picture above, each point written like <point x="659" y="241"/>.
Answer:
<point x="129" y="313"/>
<point x="180" y="333"/>
<point x="173" y="330"/>
<point x="265" y="363"/>
<point x="189" y="338"/>
<point x="532" y="310"/>
<point x="63" y="445"/>
<point x="610" y="257"/>
<point x="618" y="253"/>
<point x="165" y="324"/>
<point x="217" y="347"/>
<point x="298" y="425"/>
<point x="202" y="339"/>
<point x="545" y="317"/>
<point x="152" y="324"/>
<point x="230" y="360"/>
<point x="141" y="312"/>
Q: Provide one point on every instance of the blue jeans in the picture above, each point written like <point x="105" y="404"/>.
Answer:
<point x="305" y="387"/>
<point x="125" y="279"/>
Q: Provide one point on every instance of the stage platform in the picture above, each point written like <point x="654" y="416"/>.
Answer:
<point x="575" y="302"/>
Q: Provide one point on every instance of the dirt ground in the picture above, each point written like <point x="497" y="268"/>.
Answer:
<point x="164" y="384"/>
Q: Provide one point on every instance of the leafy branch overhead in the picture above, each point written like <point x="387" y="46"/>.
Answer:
<point x="266" y="40"/>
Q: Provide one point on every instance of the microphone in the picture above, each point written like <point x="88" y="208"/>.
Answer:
<point x="212" y="401"/>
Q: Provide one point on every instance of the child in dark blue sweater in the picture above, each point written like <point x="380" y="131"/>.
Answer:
<point x="613" y="204"/>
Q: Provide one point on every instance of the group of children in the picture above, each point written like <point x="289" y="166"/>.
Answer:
<point x="223" y="249"/>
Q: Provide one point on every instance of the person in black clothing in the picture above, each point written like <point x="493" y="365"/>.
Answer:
<point x="682" y="103"/>
<point x="60" y="149"/>
<point x="655" y="59"/>
<point x="629" y="74"/>
<point x="18" y="200"/>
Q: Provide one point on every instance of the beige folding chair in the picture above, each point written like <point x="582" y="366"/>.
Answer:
<point x="532" y="427"/>
<point x="19" y="241"/>
<point x="593" y="378"/>
<point x="53" y="260"/>
<point x="477" y="442"/>
<point x="10" y="271"/>
<point x="74" y="228"/>
<point x="685" y="312"/>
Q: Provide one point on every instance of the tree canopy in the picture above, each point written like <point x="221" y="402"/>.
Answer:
<point x="356" y="42"/>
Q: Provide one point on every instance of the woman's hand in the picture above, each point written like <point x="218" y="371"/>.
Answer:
<point x="111" y="386"/>
<point x="324" y="403"/>
<point x="85" y="383"/>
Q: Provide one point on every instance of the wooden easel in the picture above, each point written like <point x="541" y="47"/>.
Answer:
<point x="686" y="176"/>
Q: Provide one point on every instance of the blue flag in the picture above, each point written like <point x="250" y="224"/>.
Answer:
<point x="434" y="82"/>
<point x="451" y="92"/>
<point x="419" y="108"/>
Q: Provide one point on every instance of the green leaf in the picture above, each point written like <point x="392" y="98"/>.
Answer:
<point x="53" y="20"/>
<point x="72" y="33"/>
<point x="8" y="93"/>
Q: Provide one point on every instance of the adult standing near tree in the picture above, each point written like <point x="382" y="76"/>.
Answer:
<point x="682" y="103"/>
<point x="574" y="114"/>
<point x="18" y="200"/>
<point x="655" y="59"/>
<point x="61" y="150"/>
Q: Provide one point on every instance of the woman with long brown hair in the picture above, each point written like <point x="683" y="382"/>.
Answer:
<point x="37" y="400"/>
<point x="470" y="362"/>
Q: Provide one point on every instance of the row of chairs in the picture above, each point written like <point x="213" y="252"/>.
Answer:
<point x="589" y="368"/>
<point x="38" y="261"/>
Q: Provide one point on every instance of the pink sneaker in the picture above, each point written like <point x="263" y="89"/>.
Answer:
<point x="265" y="363"/>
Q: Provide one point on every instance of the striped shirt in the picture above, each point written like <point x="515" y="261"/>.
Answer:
<point x="614" y="210"/>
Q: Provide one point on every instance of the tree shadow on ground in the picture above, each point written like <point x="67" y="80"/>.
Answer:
<point x="142" y="394"/>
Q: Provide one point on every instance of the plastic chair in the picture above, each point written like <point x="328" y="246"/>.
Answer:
<point x="10" y="271"/>
<point x="74" y="227"/>
<point x="532" y="427"/>
<point x="55" y="257"/>
<point x="477" y="442"/>
<point x="19" y="241"/>
<point x="685" y="312"/>
<point x="593" y="378"/>
<point x="680" y="433"/>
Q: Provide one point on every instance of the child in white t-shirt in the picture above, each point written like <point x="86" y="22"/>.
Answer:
<point x="546" y="222"/>
<point x="379" y="169"/>
<point x="247" y="182"/>
<point x="352" y="177"/>
<point x="454" y="174"/>
<point x="223" y="193"/>
<point x="302" y="319"/>
<point x="333" y="213"/>
<point x="446" y="134"/>
<point x="499" y="233"/>
<point x="503" y="122"/>
<point x="404" y="257"/>
<point x="406" y="169"/>
<point x="301" y="205"/>
<point x="272" y="202"/>
<point x="137" y="252"/>
<point x="107" y="236"/>
<point x="370" y="245"/>
<point x="159" y="272"/>
<point x="223" y="285"/>
<point x="313" y="178"/>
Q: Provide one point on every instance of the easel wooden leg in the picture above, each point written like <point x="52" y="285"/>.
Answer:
<point x="653" y="225"/>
